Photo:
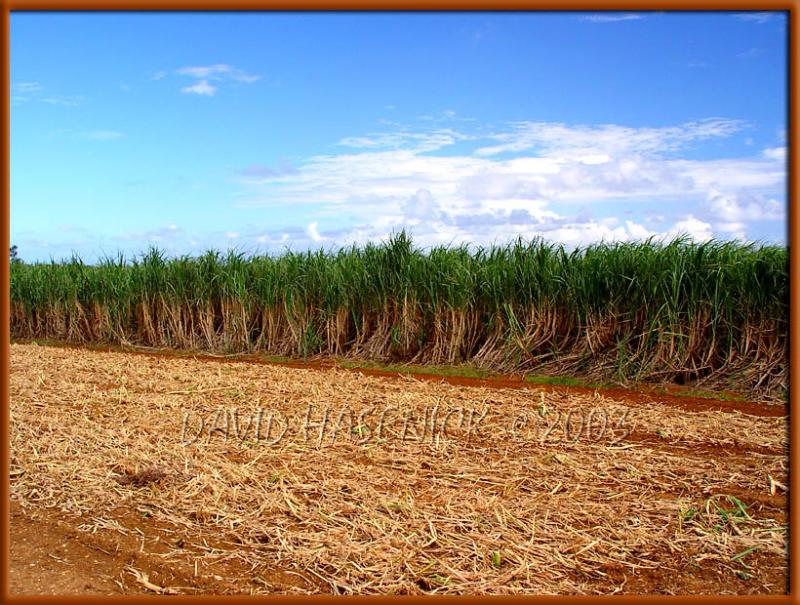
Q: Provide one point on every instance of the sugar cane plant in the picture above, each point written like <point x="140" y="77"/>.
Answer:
<point x="675" y="311"/>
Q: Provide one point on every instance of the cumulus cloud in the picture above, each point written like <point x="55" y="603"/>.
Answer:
<point x="775" y="153"/>
<point x="690" y="226"/>
<point x="736" y="208"/>
<point x="421" y="207"/>
<point x="527" y="179"/>
<point x="732" y="230"/>
<point x="313" y="232"/>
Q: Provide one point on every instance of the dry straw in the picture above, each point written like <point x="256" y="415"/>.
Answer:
<point x="664" y="493"/>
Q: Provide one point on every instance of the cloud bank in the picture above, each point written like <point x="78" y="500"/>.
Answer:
<point x="570" y="183"/>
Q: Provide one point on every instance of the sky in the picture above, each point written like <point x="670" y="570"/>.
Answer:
<point x="266" y="131"/>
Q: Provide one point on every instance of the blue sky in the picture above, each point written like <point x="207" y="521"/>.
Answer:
<point x="261" y="131"/>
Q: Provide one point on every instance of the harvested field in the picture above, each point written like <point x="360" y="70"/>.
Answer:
<point x="206" y="476"/>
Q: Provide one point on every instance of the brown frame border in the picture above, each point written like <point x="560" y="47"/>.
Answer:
<point x="793" y="194"/>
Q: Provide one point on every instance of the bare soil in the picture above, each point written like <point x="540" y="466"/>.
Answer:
<point x="108" y="497"/>
<point x="49" y="557"/>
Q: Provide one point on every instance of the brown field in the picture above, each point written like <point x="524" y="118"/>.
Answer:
<point x="147" y="473"/>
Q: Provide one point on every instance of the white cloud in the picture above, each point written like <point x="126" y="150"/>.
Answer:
<point x="755" y="16"/>
<point x="412" y="141"/>
<point x="387" y="181"/>
<point x="695" y="228"/>
<point x="219" y="73"/>
<point x="637" y="231"/>
<point x="23" y="92"/>
<point x="202" y="88"/>
<point x="735" y="208"/>
<point x="611" y="17"/>
<point x="775" y="153"/>
<point x="491" y="229"/>
<point x="240" y="76"/>
<point x="733" y="230"/>
<point x="583" y="140"/>
<point x="421" y="207"/>
<point x="204" y="72"/>
<point x="313" y="233"/>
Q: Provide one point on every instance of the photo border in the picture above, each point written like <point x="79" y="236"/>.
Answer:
<point x="793" y="229"/>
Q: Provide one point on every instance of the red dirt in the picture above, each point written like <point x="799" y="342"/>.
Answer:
<point x="50" y="556"/>
<point x="642" y="394"/>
